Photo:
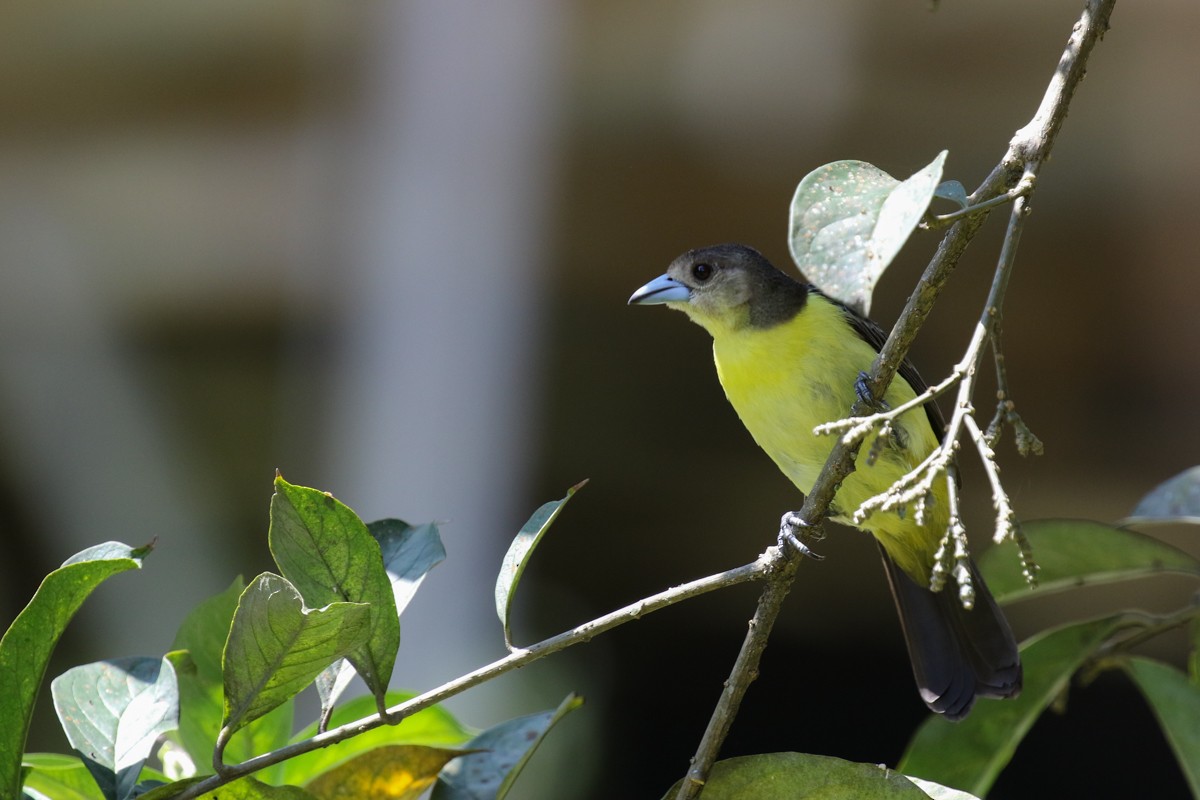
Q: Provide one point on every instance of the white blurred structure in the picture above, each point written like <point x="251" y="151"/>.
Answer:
<point x="436" y="408"/>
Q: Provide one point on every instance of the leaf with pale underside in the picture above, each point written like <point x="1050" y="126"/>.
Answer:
<point x="849" y="219"/>
<point x="112" y="713"/>
<point x="1174" y="500"/>
<point x="503" y="751"/>
<point x="519" y="553"/>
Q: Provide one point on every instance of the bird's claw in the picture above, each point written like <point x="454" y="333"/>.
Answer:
<point x="789" y="524"/>
<point x="862" y="389"/>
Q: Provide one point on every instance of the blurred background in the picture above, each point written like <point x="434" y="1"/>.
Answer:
<point x="386" y="249"/>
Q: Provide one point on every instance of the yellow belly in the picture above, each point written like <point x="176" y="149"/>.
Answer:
<point x="786" y="380"/>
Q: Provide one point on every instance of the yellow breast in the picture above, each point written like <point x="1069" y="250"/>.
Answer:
<point x="785" y="380"/>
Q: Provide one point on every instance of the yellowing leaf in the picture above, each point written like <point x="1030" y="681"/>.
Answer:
<point x="393" y="772"/>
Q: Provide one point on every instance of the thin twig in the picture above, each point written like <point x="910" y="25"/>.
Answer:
<point x="855" y="428"/>
<point x="1006" y="518"/>
<point x="919" y="482"/>
<point x="766" y="564"/>
<point x="1027" y="150"/>
<point x="1006" y="409"/>
<point x="942" y="220"/>
<point x="953" y="555"/>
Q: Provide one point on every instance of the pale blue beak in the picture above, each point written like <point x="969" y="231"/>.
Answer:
<point x="663" y="289"/>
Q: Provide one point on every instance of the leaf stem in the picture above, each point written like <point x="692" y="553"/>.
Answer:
<point x="942" y="220"/>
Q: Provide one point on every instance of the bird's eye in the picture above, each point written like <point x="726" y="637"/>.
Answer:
<point x="702" y="272"/>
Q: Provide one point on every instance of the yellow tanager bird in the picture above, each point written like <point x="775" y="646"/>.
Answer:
<point x="789" y="359"/>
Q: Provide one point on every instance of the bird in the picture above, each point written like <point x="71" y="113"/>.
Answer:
<point x="791" y="358"/>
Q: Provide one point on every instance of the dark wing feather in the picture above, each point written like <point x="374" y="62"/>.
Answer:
<point x="875" y="336"/>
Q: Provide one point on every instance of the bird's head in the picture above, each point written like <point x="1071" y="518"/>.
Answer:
<point x="725" y="287"/>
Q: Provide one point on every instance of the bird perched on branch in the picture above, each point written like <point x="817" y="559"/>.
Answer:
<point x="789" y="359"/>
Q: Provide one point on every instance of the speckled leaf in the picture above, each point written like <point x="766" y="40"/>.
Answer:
<point x="848" y="221"/>
<point x="326" y="551"/>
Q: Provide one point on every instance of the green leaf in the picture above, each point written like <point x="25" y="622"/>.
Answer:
<point x="168" y="791"/>
<point x="326" y="551"/>
<point x="112" y="713"/>
<point x="27" y="644"/>
<point x="1175" y="500"/>
<point x="392" y="772"/>
<point x="519" y="553"/>
<point x="1073" y="553"/>
<point x="970" y="754"/>
<point x="433" y="726"/>
<point x="196" y="655"/>
<point x="201" y="689"/>
<point x="409" y="552"/>
<point x="1194" y="654"/>
<point x="770" y="776"/>
<point x="1176" y="703"/>
<point x="58" y="777"/>
<point x="252" y="789"/>
<point x="503" y="752"/>
<point x="848" y="221"/>
<point x="277" y="646"/>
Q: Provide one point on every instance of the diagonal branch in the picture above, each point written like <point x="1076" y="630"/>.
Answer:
<point x="1027" y="151"/>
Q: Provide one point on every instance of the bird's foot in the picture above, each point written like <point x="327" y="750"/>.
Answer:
<point x="792" y="529"/>
<point x="862" y="389"/>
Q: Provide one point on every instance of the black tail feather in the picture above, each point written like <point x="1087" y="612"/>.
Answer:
<point x="957" y="655"/>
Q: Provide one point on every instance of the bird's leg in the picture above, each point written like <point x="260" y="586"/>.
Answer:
<point x="791" y="524"/>
<point x="864" y="393"/>
<point x="887" y="433"/>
